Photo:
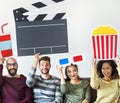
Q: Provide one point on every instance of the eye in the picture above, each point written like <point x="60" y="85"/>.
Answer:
<point x="11" y="64"/>
<point x="69" y="71"/>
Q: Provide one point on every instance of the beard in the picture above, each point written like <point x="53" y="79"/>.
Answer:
<point x="12" y="71"/>
<point x="44" y="72"/>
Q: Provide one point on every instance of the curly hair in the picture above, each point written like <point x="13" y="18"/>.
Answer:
<point x="112" y="64"/>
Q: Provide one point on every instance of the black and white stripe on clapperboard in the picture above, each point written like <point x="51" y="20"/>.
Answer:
<point x="41" y="27"/>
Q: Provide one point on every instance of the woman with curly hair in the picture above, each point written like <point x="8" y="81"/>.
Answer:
<point x="106" y="80"/>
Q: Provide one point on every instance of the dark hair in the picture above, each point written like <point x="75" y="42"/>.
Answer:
<point x="67" y="77"/>
<point x="45" y="58"/>
<point x="112" y="64"/>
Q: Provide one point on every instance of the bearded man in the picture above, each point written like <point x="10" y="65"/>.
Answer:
<point x="46" y="87"/>
<point x="13" y="86"/>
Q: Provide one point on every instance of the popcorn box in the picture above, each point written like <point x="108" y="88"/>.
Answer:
<point x="104" y="42"/>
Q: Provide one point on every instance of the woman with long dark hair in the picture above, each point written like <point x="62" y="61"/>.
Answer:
<point x="106" y="80"/>
<point x="74" y="89"/>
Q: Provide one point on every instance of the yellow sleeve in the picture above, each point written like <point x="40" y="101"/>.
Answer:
<point x="118" y="69"/>
<point x="94" y="82"/>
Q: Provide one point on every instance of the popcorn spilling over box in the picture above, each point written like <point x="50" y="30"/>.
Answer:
<point x="104" y="42"/>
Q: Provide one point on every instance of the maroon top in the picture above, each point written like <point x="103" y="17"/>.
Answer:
<point x="14" y="90"/>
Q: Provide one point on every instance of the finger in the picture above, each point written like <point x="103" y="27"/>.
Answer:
<point x="57" y="66"/>
<point x="118" y="56"/>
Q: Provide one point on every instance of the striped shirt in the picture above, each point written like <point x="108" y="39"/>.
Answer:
<point x="45" y="90"/>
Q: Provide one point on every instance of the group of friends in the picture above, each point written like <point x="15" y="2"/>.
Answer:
<point x="69" y="88"/>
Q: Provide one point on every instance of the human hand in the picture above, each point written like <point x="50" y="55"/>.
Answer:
<point x="94" y="63"/>
<point x="118" y="60"/>
<point x="84" y="101"/>
<point x="37" y="57"/>
<point x="36" y="60"/>
<point x="2" y="60"/>
<point x="59" y="68"/>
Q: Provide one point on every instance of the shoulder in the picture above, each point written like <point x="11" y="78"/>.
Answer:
<point x="55" y="79"/>
<point x="22" y="76"/>
<point x="85" y="82"/>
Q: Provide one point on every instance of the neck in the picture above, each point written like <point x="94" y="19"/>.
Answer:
<point x="107" y="79"/>
<point x="15" y="76"/>
<point x="75" y="81"/>
<point x="45" y="76"/>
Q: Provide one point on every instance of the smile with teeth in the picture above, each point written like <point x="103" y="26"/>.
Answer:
<point x="106" y="74"/>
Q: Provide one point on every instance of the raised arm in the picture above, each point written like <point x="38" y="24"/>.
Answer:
<point x="118" y="66"/>
<point x="60" y="68"/>
<point x="31" y="75"/>
<point x="94" y="77"/>
<point x="1" y="70"/>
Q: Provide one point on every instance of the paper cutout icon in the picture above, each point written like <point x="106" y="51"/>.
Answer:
<point x="63" y="61"/>
<point x="5" y="44"/>
<point x="70" y="59"/>
<point x="48" y="22"/>
<point x="104" y="42"/>
<point x="77" y="58"/>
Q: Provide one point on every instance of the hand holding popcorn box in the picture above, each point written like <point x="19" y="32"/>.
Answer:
<point x="104" y="42"/>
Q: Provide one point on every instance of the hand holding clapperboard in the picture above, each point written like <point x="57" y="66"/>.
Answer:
<point x="5" y="43"/>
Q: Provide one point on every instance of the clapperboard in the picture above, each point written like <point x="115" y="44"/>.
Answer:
<point x="41" y="31"/>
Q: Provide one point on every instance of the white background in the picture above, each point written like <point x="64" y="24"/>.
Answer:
<point x="82" y="17"/>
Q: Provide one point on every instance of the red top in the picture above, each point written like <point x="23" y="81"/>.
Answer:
<point x="14" y="90"/>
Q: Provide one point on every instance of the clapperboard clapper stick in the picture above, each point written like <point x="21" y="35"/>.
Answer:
<point x="49" y="22"/>
<point x="5" y="43"/>
<point x="59" y="9"/>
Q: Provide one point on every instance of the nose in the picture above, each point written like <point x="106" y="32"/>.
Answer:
<point x="72" y="73"/>
<point x="44" y="66"/>
<point x="11" y="66"/>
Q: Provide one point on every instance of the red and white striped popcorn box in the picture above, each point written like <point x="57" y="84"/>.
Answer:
<point x="105" y="43"/>
<point x="5" y="44"/>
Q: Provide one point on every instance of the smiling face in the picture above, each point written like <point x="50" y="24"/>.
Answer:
<point x="72" y="72"/>
<point x="12" y="66"/>
<point x="106" y="70"/>
<point x="44" y="66"/>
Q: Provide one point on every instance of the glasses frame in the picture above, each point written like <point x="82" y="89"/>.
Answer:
<point x="12" y="64"/>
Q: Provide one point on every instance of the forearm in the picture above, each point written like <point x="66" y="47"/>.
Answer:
<point x="94" y="82"/>
<point x="62" y="79"/>
<point x="1" y="76"/>
<point x="118" y="69"/>
<point x="35" y="64"/>
<point x="31" y="77"/>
